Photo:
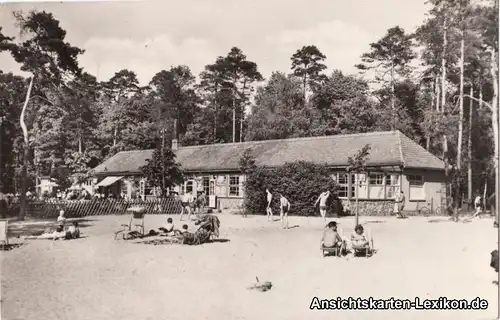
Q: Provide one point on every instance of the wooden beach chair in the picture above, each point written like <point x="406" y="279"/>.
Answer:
<point x="4" y="237"/>
<point x="136" y="222"/>
<point x="337" y="250"/>
<point x="364" y="251"/>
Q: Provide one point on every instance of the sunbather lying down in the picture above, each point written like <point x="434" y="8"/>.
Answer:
<point x="73" y="232"/>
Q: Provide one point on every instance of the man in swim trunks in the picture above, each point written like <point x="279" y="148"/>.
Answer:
<point x="323" y="197"/>
<point x="186" y="201"/>
<point x="268" y="209"/>
<point x="284" y="208"/>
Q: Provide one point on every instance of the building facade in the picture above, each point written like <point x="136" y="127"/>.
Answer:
<point x="395" y="163"/>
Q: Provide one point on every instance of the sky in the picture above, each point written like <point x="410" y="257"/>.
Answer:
<point x="150" y="36"/>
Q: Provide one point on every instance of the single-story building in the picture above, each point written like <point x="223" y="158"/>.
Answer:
<point x="46" y="185"/>
<point x="395" y="163"/>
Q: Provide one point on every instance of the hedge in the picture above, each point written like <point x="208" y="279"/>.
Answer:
<point x="300" y="182"/>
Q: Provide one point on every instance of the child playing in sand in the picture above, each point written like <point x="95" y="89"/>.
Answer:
<point x="73" y="231"/>
<point x="358" y="238"/>
<point x="331" y="237"/>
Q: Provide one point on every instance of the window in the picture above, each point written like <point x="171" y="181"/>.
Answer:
<point x="206" y="185"/>
<point x="376" y="179"/>
<point x="212" y="188"/>
<point x="148" y="188"/>
<point x="124" y="188"/>
<point x="342" y="180"/>
<point x="234" y="186"/>
<point x="189" y="186"/>
<point x="416" y="180"/>
<point x="417" y="191"/>
<point x="391" y="185"/>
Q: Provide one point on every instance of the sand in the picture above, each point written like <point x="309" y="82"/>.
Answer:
<point x="99" y="278"/>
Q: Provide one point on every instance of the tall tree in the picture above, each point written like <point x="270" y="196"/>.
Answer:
<point x="390" y="57"/>
<point x="44" y="53"/>
<point x="308" y="64"/>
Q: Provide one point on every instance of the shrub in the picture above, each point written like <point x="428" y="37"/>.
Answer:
<point x="300" y="182"/>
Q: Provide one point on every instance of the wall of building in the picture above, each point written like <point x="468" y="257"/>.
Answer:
<point x="430" y="194"/>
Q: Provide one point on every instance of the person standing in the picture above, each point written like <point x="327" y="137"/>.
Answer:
<point x="269" y="211"/>
<point x="399" y="204"/>
<point x="284" y="208"/>
<point x="477" y="206"/>
<point x="323" y="197"/>
<point x="186" y="201"/>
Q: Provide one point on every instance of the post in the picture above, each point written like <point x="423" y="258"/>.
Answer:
<point x="2" y="119"/>
<point x="163" y="161"/>
<point x="358" y="182"/>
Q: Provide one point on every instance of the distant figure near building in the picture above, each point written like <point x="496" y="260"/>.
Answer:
<point x="269" y="211"/>
<point x="323" y="197"/>
<point x="399" y="204"/>
<point x="477" y="206"/>
<point x="186" y="201"/>
<point x="284" y="208"/>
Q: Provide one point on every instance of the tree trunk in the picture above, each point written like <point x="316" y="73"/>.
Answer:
<point x="443" y="104"/>
<point x="481" y="96"/>
<point x="438" y="94"/>
<point x="469" y="149"/>
<point x="304" y="87"/>
<point x="163" y="191"/>
<point x="115" y="133"/>
<point x="234" y="122"/>
<point x="494" y="120"/>
<point x="2" y="165"/>
<point x="393" y="99"/>
<point x="24" y="177"/>
<point x="460" y="129"/>
<point x="80" y="149"/>
<point x="461" y="106"/>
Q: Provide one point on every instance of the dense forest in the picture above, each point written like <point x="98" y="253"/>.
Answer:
<point x="437" y="84"/>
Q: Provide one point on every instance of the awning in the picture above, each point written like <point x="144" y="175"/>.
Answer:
<point x="108" y="181"/>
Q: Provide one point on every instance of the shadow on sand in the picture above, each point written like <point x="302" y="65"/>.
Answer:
<point x="38" y="227"/>
<point x="10" y="246"/>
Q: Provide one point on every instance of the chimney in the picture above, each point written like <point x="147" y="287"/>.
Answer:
<point x="175" y="145"/>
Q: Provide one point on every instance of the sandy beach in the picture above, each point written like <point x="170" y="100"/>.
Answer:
<point x="99" y="278"/>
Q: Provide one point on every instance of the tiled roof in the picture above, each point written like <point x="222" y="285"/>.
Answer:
<point x="387" y="149"/>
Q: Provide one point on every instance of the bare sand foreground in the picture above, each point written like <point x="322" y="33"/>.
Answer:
<point x="99" y="278"/>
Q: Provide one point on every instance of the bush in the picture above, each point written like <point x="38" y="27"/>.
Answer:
<point x="300" y="182"/>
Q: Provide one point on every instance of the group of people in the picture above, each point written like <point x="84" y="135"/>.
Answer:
<point x="358" y="239"/>
<point x="190" y="204"/>
<point x="62" y="231"/>
<point x="322" y="199"/>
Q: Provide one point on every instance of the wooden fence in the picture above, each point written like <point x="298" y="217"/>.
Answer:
<point x="48" y="209"/>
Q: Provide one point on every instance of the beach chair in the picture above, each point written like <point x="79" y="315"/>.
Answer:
<point x="364" y="251"/>
<point x="4" y="238"/>
<point x="136" y="223"/>
<point x="337" y="250"/>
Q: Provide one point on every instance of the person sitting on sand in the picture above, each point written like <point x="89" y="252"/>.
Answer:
<point x="184" y="229"/>
<point x="169" y="227"/>
<point x="331" y="237"/>
<point x="73" y="231"/>
<point x="359" y="239"/>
